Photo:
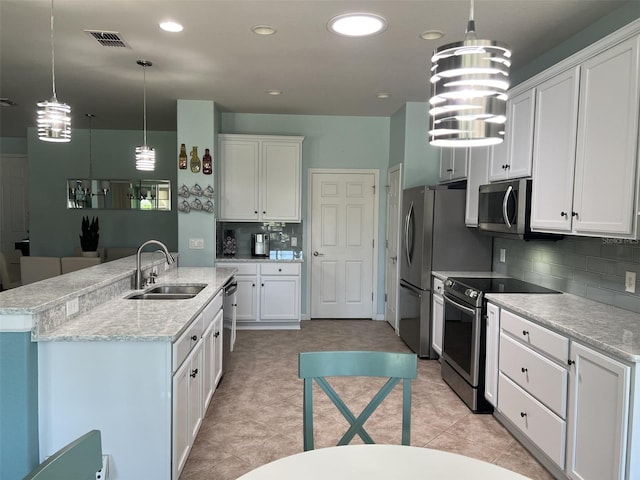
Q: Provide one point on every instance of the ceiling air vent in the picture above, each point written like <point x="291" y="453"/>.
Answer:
<point x="107" y="39"/>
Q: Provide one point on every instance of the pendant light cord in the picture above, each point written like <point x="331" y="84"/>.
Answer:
<point x="53" y="60"/>
<point x="470" y="33"/>
<point x="144" y="101"/>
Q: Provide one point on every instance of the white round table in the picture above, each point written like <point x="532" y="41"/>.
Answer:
<point x="379" y="462"/>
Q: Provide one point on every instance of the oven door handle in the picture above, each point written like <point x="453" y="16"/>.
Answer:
<point x="470" y="311"/>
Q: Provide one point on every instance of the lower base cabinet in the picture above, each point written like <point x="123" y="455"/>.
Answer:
<point x="598" y="415"/>
<point x="437" y="315"/>
<point x="588" y="434"/>
<point x="268" y="295"/>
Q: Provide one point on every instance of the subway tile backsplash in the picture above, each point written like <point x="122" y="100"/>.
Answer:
<point x="594" y="268"/>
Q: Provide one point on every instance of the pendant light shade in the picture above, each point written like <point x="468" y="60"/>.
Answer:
<point x="145" y="155"/>
<point x="469" y="83"/>
<point x="54" y="117"/>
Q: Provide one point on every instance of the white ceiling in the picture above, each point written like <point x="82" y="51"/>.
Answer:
<point x="217" y="56"/>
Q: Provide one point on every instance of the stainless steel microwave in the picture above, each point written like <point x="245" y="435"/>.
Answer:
<point x="505" y="208"/>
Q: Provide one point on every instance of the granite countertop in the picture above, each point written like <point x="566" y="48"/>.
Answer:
<point x="274" y="256"/>
<point x="611" y="329"/>
<point x="121" y="319"/>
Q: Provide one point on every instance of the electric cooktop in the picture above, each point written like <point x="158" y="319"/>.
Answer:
<point x="501" y="285"/>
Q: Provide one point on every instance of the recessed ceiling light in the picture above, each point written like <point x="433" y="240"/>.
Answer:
<point x="263" y="30"/>
<point x="171" y="26"/>
<point x="274" y="92"/>
<point x="383" y="95"/>
<point x="357" y="24"/>
<point x="431" y="35"/>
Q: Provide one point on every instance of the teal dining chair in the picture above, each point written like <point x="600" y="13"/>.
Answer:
<point x="316" y="366"/>
<point x="80" y="460"/>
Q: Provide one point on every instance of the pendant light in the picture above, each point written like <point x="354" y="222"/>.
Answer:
<point x="469" y="82"/>
<point x="54" y="118"/>
<point x="145" y="155"/>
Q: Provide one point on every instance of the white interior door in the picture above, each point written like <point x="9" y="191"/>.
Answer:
<point x="14" y="201"/>
<point x="343" y="230"/>
<point x="392" y="271"/>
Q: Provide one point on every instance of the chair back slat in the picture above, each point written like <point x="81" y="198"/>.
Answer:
<point x="80" y="460"/>
<point x="315" y="366"/>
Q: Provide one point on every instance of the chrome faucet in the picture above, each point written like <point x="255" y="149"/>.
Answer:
<point x="163" y="249"/>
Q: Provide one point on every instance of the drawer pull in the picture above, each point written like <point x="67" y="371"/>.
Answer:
<point x="523" y="414"/>
<point x="194" y="373"/>
<point x="524" y="370"/>
<point x="571" y="362"/>
<point x="194" y="338"/>
<point x="217" y="334"/>
<point x="525" y="332"/>
<point x="279" y="269"/>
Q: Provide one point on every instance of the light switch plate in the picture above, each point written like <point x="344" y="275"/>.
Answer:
<point x="196" y="243"/>
<point x="294" y="241"/>
<point x="630" y="282"/>
<point x="73" y="306"/>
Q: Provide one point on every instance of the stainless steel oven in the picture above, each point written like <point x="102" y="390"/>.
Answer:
<point x="464" y="333"/>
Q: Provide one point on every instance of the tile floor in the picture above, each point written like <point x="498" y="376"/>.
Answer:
<point x="256" y="413"/>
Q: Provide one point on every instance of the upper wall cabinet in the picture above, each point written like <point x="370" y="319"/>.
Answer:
<point x="453" y="164"/>
<point x="260" y="177"/>
<point x="589" y="189"/>
<point x="512" y="158"/>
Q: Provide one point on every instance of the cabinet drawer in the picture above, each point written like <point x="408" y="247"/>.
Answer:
<point x="243" y="268"/>
<point x="280" y="269"/>
<point x="539" y="376"/>
<point x="187" y="341"/>
<point x="211" y="310"/>
<point x="536" y="421"/>
<point x="533" y="335"/>
<point x="438" y="286"/>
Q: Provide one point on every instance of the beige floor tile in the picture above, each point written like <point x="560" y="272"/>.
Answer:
<point x="256" y="413"/>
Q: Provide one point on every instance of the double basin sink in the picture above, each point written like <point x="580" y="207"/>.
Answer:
<point x="168" y="292"/>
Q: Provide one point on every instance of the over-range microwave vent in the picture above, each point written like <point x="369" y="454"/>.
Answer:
<point x="107" y="39"/>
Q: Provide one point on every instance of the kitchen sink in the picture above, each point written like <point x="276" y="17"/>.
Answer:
<point x="168" y="292"/>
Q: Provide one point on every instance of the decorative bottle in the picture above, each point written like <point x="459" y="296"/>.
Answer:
<point x="182" y="158"/>
<point x="195" y="161"/>
<point x="207" y="164"/>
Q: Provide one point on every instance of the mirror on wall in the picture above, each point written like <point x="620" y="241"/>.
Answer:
<point x="119" y="194"/>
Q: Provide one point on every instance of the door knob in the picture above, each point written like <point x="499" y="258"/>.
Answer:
<point x="317" y="254"/>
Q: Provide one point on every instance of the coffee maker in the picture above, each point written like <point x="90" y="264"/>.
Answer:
<point x="260" y="244"/>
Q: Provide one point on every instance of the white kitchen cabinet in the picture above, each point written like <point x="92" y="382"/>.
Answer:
<point x="584" y="179"/>
<point x="187" y="406"/>
<point x="212" y="366"/>
<point x="477" y="174"/>
<point x="554" y="152"/>
<point x="598" y="415"/>
<point x="437" y="315"/>
<point x="453" y="164"/>
<point x="513" y="157"/>
<point x="260" y="177"/>
<point x="491" y="356"/>
<point x="606" y="153"/>
<point x="268" y="295"/>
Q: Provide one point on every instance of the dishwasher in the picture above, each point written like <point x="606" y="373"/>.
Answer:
<point x="229" y="321"/>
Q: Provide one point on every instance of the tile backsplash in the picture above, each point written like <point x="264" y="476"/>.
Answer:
<point x="281" y="235"/>
<point x="594" y="268"/>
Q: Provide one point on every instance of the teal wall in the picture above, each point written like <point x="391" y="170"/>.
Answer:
<point x="13" y="145"/>
<point x="330" y="142"/>
<point x="18" y="404"/>
<point x="196" y="127"/>
<point x="54" y="230"/>
<point x="603" y="27"/>
<point x="397" y="129"/>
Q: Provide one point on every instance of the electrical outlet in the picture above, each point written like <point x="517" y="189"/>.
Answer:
<point x="294" y="241"/>
<point x="503" y="255"/>
<point x="103" y="473"/>
<point x="196" y="243"/>
<point x="630" y="282"/>
<point x="73" y="306"/>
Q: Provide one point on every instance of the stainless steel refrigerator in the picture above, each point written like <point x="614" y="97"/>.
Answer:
<point x="434" y="237"/>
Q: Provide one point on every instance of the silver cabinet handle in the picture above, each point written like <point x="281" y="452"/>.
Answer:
<point x="317" y="254"/>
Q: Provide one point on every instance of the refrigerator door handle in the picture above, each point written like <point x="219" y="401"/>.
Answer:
<point x="407" y="222"/>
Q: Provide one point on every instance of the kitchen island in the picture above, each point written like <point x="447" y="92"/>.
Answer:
<point x="123" y="366"/>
